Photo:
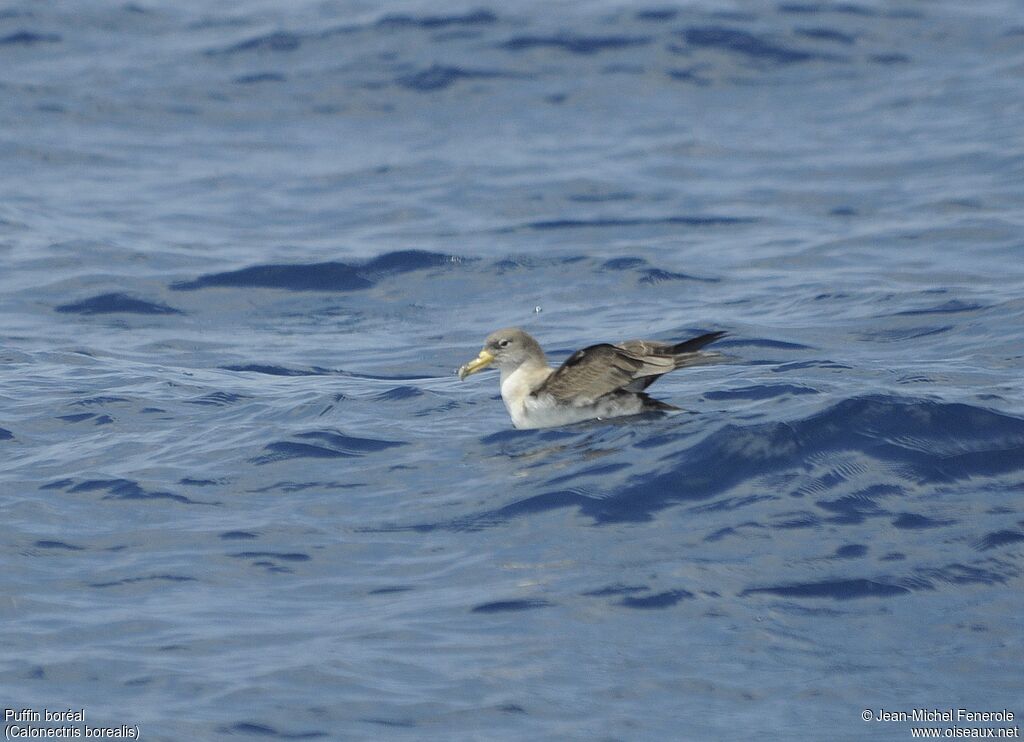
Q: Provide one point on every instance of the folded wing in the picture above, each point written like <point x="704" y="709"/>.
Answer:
<point x="632" y="366"/>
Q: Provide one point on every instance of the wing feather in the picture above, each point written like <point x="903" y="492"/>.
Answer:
<point x="631" y="366"/>
<point x="592" y="372"/>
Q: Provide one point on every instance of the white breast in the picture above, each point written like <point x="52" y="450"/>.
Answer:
<point x="515" y="391"/>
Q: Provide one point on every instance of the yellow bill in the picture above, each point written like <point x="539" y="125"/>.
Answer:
<point x="479" y="363"/>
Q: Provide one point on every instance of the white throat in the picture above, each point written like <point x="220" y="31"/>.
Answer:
<point x="516" y="386"/>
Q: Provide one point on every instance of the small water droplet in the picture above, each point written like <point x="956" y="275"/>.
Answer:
<point x="538" y="309"/>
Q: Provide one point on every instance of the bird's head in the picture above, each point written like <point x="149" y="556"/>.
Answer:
<point x="507" y="349"/>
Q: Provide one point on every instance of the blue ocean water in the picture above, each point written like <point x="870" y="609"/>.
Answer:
<point x="244" y="246"/>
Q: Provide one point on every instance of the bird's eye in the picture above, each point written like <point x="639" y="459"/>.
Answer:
<point x="504" y="343"/>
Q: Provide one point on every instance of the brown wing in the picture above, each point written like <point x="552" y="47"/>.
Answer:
<point x="600" y="369"/>
<point x="686" y="353"/>
<point x="683" y="351"/>
<point x="646" y="347"/>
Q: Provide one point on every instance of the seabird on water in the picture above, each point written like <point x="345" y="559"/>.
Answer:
<point x="599" y="381"/>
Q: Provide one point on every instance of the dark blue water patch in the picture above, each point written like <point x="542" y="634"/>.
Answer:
<point x="390" y="590"/>
<point x="6" y="435"/>
<point x="60" y="484"/>
<point x="687" y="221"/>
<point x="285" y="450"/>
<point x="518" y="442"/>
<point x="800" y="365"/>
<point x="988" y="462"/>
<point x="657" y="275"/>
<point x="722" y="460"/>
<point x="747" y="44"/>
<point x="841" y="8"/>
<point x="504" y="436"/>
<point x="269" y="370"/>
<point x="127" y="489"/>
<point x="850" y="551"/>
<point x="730" y="531"/>
<point x="987" y="572"/>
<point x="392" y="723"/>
<point x="287" y="486"/>
<point x="893" y="556"/>
<point x="262" y="730"/>
<point x="295" y="556"/>
<point x="879" y="491"/>
<point x="769" y="343"/>
<point x="791" y="521"/>
<point x="238" y="536"/>
<point x="612" y="590"/>
<point x="103" y="420"/>
<point x="439" y="410"/>
<point x="350" y="443"/>
<point x="439" y="77"/>
<point x="666" y="599"/>
<point x="515" y="262"/>
<point x="116" y="303"/>
<point x="574" y="44"/>
<point x="624" y="263"/>
<point x="761" y="391"/>
<point x="834" y="589"/>
<point x="329" y="276"/>
<point x="506" y="606"/>
<point x="101" y="400"/>
<point x="733" y="503"/>
<point x="826" y="34"/>
<point x="656" y="15"/>
<point x="399" y="393"/>
<point x="916" y="379"/>
<point x="60" y="545"/>
<point x="218" y="399"/>
<point x="531" y="505"/>
<point x="889" y="59"/>
<point x="914" y="521"/>
<point x="259" y="77"/>
<point x="311" y="277"/>
<point x="77" y="418"/>
<point x="953" y="306"/>
<point x="432" y="22"/>
<point x="593" y="471"/>
<point x="28" y="38"/>
<point x="278" y="41"/>
<point x="405" y="261"/>
<point x="189" y="482"/>
<point x="997" y="539"/>
<point x="688" y="75"/>
<point x="334" y="445"/>
<point x="875" y="426"/>
<point x="852" y="509"/>
<point x="922" y="439"/>
<point x="150" y="578"/>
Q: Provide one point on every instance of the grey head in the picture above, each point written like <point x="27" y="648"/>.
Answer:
<point x="507" y="349"/>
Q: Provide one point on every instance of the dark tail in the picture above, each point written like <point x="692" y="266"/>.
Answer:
<point x="686" y="353"/>
<point x="694" y="344"/>
<point x="650" y="404"/>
